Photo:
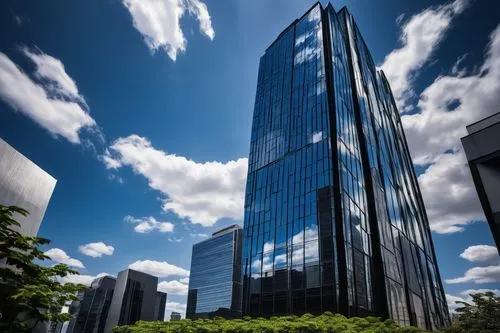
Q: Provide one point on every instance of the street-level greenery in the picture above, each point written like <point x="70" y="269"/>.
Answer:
<point x="327" y="322"/>
<point x="29" y="293"/>
<point x="482" y="315"/>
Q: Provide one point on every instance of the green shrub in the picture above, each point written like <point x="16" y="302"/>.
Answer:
<point x="325" y="323"/>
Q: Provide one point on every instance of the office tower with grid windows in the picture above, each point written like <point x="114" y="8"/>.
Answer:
<point x="215" y="277"/>
<point x="134" y="299"/>
<point x="90" y="311"/>
<point x="334" y="218"/>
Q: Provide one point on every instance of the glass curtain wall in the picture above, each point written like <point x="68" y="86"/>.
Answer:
<point x="334" y="220"/>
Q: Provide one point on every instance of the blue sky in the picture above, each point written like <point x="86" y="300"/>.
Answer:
<point x="144" y="116"/>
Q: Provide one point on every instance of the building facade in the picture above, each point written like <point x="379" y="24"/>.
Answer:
<point x="24" y="184"/>
<point x="90" y="311"/>
<point x="175" y="316"/>
<point x="215" y="278"/>
<point x="160" y="303"/>
<point x="482" y="148"/>
<point x="134" y="298"/>
<point x="334" y="218"/>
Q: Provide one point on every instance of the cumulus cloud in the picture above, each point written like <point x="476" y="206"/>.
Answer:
<point x="173" y="287"/>
<point x="451" y="299"/>
<point x="200" y="192"/>
<point x="158" y="268"/>
<point x="479" y="275"/>
<point x="445" y="107"/>
<point x="97" y="249"/>
<point x="481" y="253"/>
<point x="158" y="21"/>
<point x="452" y="302"/>
<point x="176" y="307"/>
<point x="450" y="196"/>
<point x="148" y="224"/>
<point x="420" y="37"/>
<point x="52" y="100"/>
<point x="81" y="279"/>
<point x="61" y="257"/>
<point x="184" y="280"/>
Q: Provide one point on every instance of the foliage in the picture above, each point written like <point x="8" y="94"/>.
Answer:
<point x="325" y="323"/>
<point x="29" y="293"/>
<point x="482" y="316"/>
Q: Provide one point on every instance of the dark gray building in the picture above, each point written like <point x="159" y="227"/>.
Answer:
<point x="175" y="316"/>
<point x="134" y="298"/>
<point x="24" y="184"/>
<point x="482" y="148"/>
<point x="91" y="309"/>
<point x="215" y="278"/>
<point x="334" y="218"/>
<point x="161" y="302"/>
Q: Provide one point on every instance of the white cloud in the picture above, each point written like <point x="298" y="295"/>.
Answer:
<point x="97" y="249"/>
<point x="200" y="192"/>
<point x="481" y="253"/>
<point x="148" y="224"/>
<point x="434" y="133"/>
<point x="479" y="275"/>
<point x="159" y="22"/>
<point x="158" y="268"/>
<point x="420" y="37"/>
<point x="176" y="307"/>
<point x="184" y="280"/>
<point x="475" y="291"/>
<point x="53" y="102"/>
<point x="173" y="287"/>
<point x="80" y="279"/>
<point x="451" y="299"/>
<point x="450" y="196"/>
<point x="61" y="257"/>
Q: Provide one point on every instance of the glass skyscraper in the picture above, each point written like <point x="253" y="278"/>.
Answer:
<point x="334" y="218"/>
<point x="90" y="311"/>
<point x="215" y="278"/>
<point x="134" y="299"/>
<point x="160" y="304"/>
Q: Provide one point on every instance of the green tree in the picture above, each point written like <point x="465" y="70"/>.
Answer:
<point x="482" y="315"/>
<point x="29" y="293"/>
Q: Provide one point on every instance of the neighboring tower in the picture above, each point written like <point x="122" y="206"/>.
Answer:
<point x="482" y="147"/>
<point x="334" y="218"/>
<point x="175" y="316"/>
<point x="91" y="309"/>
<point x="133" y="299"/>
<point x="24" y="184"/>
<point x="215" y="278"/>
<point x="160" y="303"/>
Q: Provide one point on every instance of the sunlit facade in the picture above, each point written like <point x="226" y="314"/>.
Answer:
<point x="215" y="277"/>
<point x="26" y="185"/>
<point x="334" y="219"/>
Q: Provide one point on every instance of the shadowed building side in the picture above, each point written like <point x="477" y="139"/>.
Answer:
<point x="134" y="298"/>
<point x="482" y="147"/>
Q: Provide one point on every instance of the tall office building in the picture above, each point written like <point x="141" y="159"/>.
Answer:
<point x="90" y="311"/>
<point x="482" y="147"/>
<point x="134" y="298"/>
<point x="24" y="184"/>
<point x="215" y="278"/>
<point x="334" y="218"/>
<point x="160" y="303"/>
